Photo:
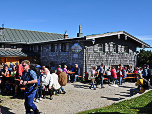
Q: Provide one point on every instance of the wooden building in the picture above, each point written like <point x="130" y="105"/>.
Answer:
<point x="52" y="49"/>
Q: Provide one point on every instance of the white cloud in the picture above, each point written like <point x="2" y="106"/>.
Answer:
<point x="146" y="37"/>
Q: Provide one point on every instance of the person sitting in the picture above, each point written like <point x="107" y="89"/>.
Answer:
<point x="124" y="74"/>
<point x="1" y="67"/>
<point x="58" y="70"/>
<point x="56" y="85"/>
<point x="5" y="72"/>
<point x="108" y="75"/>
<point x="62" y="79"/>
<point x="66" y="71"/>
<point x="130" y="70"/>
<point x="71" y="76"/>
<point x="77" y="72"/>
<point x="47" y="81"/>
<point x="139" y="83"/>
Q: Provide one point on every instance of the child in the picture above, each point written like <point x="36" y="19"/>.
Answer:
<point x="93" y="72"/>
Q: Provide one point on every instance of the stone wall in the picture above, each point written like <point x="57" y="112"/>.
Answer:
<point x="53" y="59"/>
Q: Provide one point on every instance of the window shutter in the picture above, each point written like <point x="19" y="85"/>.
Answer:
<point x="95" y="47"/>
<point x="106" y="47"/>
<point x="111" y="47"/>
<point x="59" y="48"/>
<point x="122" y="48"/>
<point x="56" y="47"/>
<point x="119" y="48"/>
<point x="67" y="47"/>
<point x="50" y="47"/>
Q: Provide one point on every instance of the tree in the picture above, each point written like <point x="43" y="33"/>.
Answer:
<point x="144" y="57"/>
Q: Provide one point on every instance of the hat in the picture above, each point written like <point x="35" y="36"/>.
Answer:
<point x="38" y="66"/>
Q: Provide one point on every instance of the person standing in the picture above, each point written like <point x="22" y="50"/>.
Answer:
<point x="148" y="73"/>
<point x="29" y="80"/>
<point x="18" y="76"/>
<point x="120" y="74"/>
<point x="114" y="75"/>
<point x="144" y="71"/>
<point x="93" y="73"/>
<point x="101" y="72"/>
<point x="77" y="72"/>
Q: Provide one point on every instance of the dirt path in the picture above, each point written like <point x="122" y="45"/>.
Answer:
<point x="78" y="98"/>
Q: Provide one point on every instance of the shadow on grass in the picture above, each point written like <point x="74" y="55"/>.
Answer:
<point x="5" y="110"/>
<point x="146" y="109"/>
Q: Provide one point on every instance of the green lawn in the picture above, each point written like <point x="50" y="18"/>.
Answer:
<point x="141" y="104"/>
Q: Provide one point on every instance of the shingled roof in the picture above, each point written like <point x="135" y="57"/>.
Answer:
<point x="16" y="53"/>
<point x="117" y="33"/>
<point x="27" y="37"/>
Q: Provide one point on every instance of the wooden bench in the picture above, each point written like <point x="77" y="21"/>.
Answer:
<point x="129" y="78"/>
<point x="22" y="88"/>
<point x="79" y="77"/>
<point x="105" y="78"/>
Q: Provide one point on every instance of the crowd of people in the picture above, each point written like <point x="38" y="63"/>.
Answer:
<point x="37" y="81"/>
<point x="116" y="75"/>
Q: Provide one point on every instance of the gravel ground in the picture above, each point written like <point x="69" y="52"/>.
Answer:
<point x="78" y="98"/>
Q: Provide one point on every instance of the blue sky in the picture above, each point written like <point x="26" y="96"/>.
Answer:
<point x="95" y="16"/>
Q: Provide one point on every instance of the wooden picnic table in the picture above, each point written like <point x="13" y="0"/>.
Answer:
<point x="71" y="72"/>
<point x="130" y="73"/>
<point x="9" y="76"/>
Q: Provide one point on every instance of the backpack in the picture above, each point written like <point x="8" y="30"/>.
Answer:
<point x="146" y="84"/>
<point x="38" y="73"/>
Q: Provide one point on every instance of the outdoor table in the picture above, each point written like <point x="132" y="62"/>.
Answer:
<point x="71" y="72"/>
<point x="9" y="76"/>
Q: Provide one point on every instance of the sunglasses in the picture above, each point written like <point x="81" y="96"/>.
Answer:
<point x="24" y="65"/>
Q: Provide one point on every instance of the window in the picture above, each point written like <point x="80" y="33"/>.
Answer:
<point x="67" y="47"/>
<point x="63" y="47"/>
<point x="100" y="47"/>
<point x="1" y="31"/>
<point x="126" y="49"/>
<point x="2" y="46"/>
<point x="30" y="48"/>
<point x="114" y="48"/>
<point x="52" y="47"/>
<point x="36" y="48"/>
<point x="41" y="47"/>
<point x="13" y="46"/>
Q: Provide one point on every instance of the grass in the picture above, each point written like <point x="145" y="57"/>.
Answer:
<point x="141" y="104"/>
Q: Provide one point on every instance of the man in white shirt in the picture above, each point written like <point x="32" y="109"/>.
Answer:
<point x="55" y="78"/>
<point x="47" y="81"/>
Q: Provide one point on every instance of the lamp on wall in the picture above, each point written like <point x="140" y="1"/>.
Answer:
<point x="93" y="40"/>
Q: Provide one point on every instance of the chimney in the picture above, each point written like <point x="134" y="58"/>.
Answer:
<point x="2" y="25"/>
<point x="65" y="35"/>
<point x="79" y="34"/>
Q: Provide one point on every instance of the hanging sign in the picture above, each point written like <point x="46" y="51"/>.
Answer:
<point x="76" y="48"/>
